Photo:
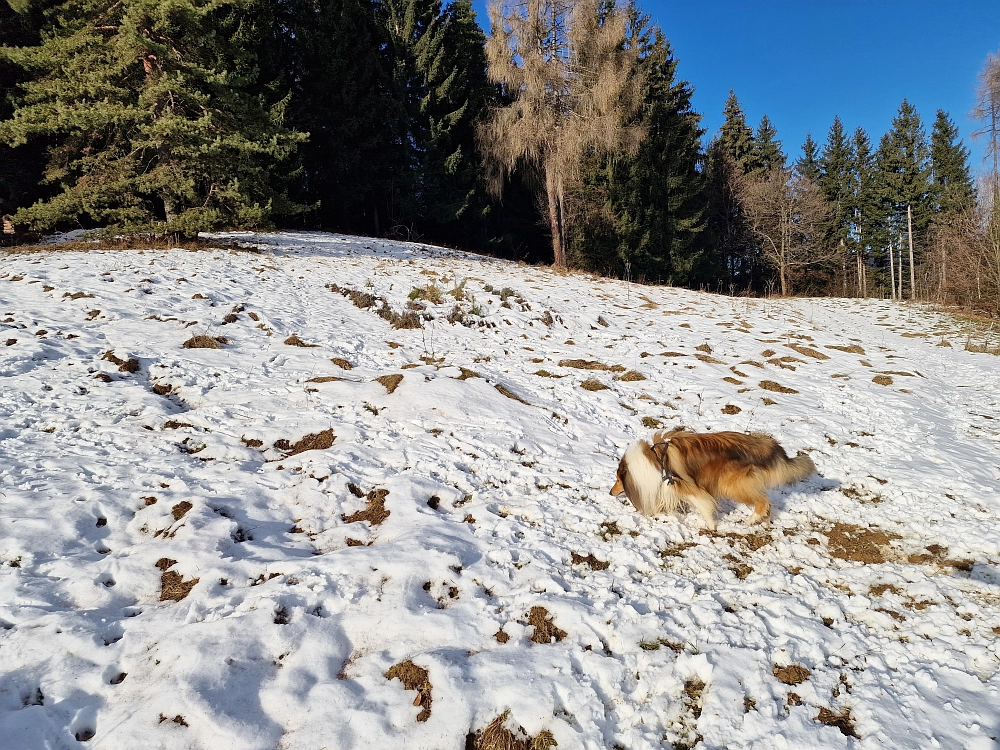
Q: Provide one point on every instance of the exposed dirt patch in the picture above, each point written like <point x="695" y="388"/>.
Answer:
<point x="840" y="720"/>
<point x="709" y="360"/>
<point x="165" y="562"/>
<point x="590" y="560"/>
<point x="180" y="510"/>
<point x="374" y="513"/>
<point x="414" y="678"/>
<point x="501" y="636"/>
<point x="852" y="349"/>
<point x="204" y="342"/>
<point x="391" y="382"/>
<point x="650" y="422"/>
<point x="251" y="442"/>
<point x="859" y="544"/>
<point x="807" y="351"/>
<point x="731" y="409"/>
<point x="770" y="385"/>
<point x="882" y="380"/>
<point x="496" y="736"/>
<point x="294" y="340"/>
<point x="342" y="363"/>
<point x="170" y="424"/>
<point x="545" y="629"/>
<point x="792" y="674"/>
<point x="593" y="384"/>
<point x="318" y="441"/>
<point x="510" y="394"/>
<point x="124" y="365"/>
<point x="467" y="374"/>
<point x="608" y="530"/>
<point x="877" y="589"/>
<point x="174" y="587"/>
<point x="693" y="690"/>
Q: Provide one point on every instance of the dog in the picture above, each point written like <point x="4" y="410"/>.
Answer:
<point x="699" y="468"/>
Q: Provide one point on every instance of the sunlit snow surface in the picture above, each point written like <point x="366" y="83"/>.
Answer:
<point x="298" y="612"/>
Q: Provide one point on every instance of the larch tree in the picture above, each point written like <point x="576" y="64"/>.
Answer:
<point x="570" y="81"/>
<point x="987" y="112"/>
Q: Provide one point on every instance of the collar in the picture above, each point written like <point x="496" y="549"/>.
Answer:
<point x="666" y="475"/>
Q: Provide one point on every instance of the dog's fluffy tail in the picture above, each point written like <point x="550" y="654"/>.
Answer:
<point x="790" y="470"/>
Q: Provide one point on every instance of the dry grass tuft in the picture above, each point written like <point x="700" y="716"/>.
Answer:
<point x="342" y="363"/>
<point x="173" y="587"/>
<point x="374" y="512"/>
<point x="841" y="720"/>
<point x="391" y="382"/>
<point x="547" y="374"/>
<point x="590" y="560"/>
<point x="324" y="379"/>
<point x="204" y="342"/>
<point x="430" y="293"/>
<point x="709" y="360"/>
<point x="858" y="544"/>
<point x="496" y="736"/>
<point x="593" y="384"/>
<point x="545" y="629"/>
<point x="467" y="374"/>
<point x="510" y="394"/>
<point x="650" y="422"/>
<point x="792" y="674"/>
<point x="251" y="442"/>
<point x="808" y="351"/>
<point x="124" y="365"/>
<point x="584" y="364"/>
<point x="731" y="409"/>
<point x="770" y="385"/>
<point x="294" y="340"/>
<point x="180" y="510"/>
<point x="317" y="441"/>
<point x="414" y="678"/>
<point x="852" y="349"/>
<point x="632" y="376"/>
<point x="882" y="380"/>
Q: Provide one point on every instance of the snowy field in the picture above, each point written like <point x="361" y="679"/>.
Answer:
<point x="330" y="532"/>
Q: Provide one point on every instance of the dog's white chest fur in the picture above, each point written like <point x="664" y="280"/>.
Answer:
<point x="654" y="494"/>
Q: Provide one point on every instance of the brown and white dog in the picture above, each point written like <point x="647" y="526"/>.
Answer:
<point x="698" y="468"/>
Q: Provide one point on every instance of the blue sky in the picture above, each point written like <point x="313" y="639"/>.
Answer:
<point x="804" y="62"/>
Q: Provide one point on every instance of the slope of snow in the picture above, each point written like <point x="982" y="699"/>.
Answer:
<point x="881" y="577"/>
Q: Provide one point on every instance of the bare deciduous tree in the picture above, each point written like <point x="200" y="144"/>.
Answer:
<point x="572" y="84"/>
<point x="987" y="109"/>
<point x="789" y="215"/>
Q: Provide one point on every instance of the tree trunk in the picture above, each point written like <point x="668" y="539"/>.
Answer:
<point x="555" y="223"/>
<point x="892" y="272"/>
<point x="909" y="229"/>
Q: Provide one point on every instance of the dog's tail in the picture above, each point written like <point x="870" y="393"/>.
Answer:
<point x="786" y="470"/>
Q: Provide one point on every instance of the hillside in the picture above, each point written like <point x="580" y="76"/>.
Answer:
<point x="233" y="547"/>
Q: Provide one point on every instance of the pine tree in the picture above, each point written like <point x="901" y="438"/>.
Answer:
<point x="735" y="136"/>
<point x="766" y="154"/>
<point x="952" y="182"/>
<point x="834" y="180"/>
<point x="157" y="124"/>
<point x="807" y="165"/>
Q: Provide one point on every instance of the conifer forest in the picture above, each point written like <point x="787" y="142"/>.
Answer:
<point x="565" y="135"/>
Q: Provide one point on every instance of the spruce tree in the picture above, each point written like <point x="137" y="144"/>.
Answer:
<point x="834" y="181"/>
<point x="953" y="190"/>
<point x="864" y="206"/>
<point x="735" y="136"/>
<point x="766" y="153"/>
<point x="154" y="108"/>
<point x="807" y="165"/>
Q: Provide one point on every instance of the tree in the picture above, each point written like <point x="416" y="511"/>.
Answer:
<point x="571" y="80"/>
<point x="987" y="111"/>
<point x="647" y="210"/>
<point x="765" y="153"/>
<point x="158" y="126"/>
<point x="953" y="190"/>
<point x="788" y="213"/>
<point x="807" y="165"/>
<point x="834" y="180"/>
<point x="735" y="136"/>
<point x="864" y="209"/>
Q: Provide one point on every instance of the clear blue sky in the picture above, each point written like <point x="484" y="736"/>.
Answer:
<point x="804" y="61"/>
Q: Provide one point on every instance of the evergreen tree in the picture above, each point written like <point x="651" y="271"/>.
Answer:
<point x="735" y="136"/>
<point x="807" y="165"/>
<point x="952" y="182"/>
<point x="834" y="181"/>
<point x="864" y="207"/>
<point x="766" y="154"/>
<point x="648" y="210"/>
<point x="158" y="129"/>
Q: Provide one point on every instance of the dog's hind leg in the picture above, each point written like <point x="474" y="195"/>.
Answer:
<point x="758" y="501"/>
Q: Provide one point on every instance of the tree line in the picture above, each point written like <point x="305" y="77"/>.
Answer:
<point x="565" y="135"/>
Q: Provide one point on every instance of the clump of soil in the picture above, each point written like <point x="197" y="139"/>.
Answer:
<point x="414" y="678"/>
<point x="882" y="380"/>
<point x="496" y="736"/>
<point x="792" y="674"/>
<point x="318" y="441"/>
<point x="858" y="544"/>
<point x="501" y="636"/>
<point x="510" y="394"/>
<point x="180" y="510"/>
<point x="204" y="342"/>
<point x="632" y="376"/>
<point x="731" y="409"/>
<point x="124" y="365"/>
<point x="294" y="340"/>
<point x="342" y="363"/>
<point x="374" y="513"/>
<point x="174" y="587"/>
<point x="840" y="720"/>
<point x="593" y="384"/>
<point x="545" y="629"/>
<point x="590" y="560"/>
<point x="770" y="385"/>
<point x="391" y="382"/>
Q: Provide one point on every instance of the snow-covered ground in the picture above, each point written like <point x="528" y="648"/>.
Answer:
<point x="458" y="534"/>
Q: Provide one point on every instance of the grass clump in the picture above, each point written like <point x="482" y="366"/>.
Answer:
<point x="632" y="376"/>
<point x="374" y="513"/>
<point x="205" y="342"/>
<point x="294" y="340"/>
<point x="430" y="293"/>
<point x="770" y="385"/>
<point x="593" y="384"/>
<point x="391" y="382"/>
<point x="414" y="678"/>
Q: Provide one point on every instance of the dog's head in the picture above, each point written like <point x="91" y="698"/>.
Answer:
<point x="639" y="476"/>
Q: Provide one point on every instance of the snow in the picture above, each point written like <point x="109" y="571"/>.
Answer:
<point x="881" y="576"/>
